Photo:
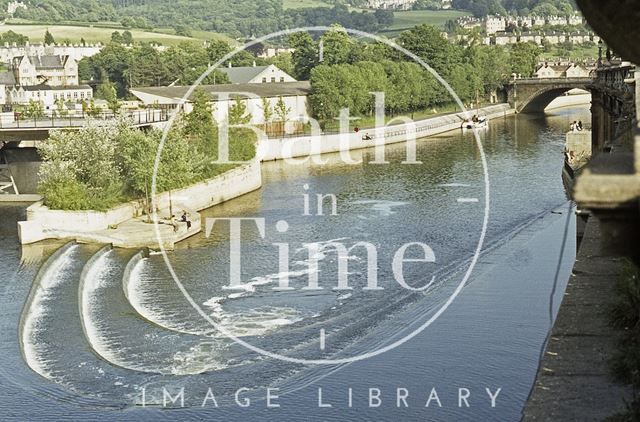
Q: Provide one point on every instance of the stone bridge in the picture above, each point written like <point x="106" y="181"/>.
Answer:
<point x="535" y="94"/>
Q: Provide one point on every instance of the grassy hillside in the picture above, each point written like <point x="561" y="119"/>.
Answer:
<point x="404" y="20"/>
<point x="303" y="4"/>
<point x="92" y="34"/>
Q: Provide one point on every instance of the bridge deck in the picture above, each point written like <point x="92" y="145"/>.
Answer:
<point x="137" y="118"/>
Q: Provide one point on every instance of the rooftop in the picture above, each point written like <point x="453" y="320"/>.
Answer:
<point x="242" y="75"/>
<point x="285" y="89"/>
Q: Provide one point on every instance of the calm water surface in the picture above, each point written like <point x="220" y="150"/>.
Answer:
<point x="102" y="330"/>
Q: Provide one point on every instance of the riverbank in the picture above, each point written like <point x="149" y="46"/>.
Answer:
<point x="125" y="226"/>
<point x="574" y="379"/>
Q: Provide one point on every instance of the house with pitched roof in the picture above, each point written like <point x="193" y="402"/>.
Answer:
<point x="45" y="69"/>
<point x="256" y="74"/>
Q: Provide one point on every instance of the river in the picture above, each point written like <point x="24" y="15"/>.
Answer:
<point x="103" y="332"/>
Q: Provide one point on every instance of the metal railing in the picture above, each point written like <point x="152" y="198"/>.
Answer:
<point x="55" y="121"/>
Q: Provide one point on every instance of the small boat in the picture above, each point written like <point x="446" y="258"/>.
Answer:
<point x="480" y="123"/>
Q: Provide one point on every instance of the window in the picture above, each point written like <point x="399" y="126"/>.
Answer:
<point x="282" y="79"/>
<point x="264" y="80"/>
<point x="273" y="79"/>
<point x="75" y="94"/>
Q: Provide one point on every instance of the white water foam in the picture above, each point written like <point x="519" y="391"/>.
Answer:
<point x="454" y="185"/>
<point x="94" y="279"/>
<point x="257" y="321"/>
<point x="253" y="322"/>
<point x="38" y="312"/>
<point x="382" y="207"/>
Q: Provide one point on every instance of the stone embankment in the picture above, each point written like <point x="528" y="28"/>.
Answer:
<point x="126" y="226"/>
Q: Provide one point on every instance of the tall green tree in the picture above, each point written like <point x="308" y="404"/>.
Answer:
<point x="48" y="38"/>
<point x="305" y="55"/>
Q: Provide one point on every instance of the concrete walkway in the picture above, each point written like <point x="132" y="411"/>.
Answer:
<point x="136" y="233"/>
<point x="573" y="381"/>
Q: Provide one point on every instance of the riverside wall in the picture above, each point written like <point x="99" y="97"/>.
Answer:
<point x="304" y="146"/>
<point x="95" y="226"/>
<point x="43" y="223"/>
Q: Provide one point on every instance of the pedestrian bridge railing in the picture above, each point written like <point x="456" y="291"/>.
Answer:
<point x="13" y="121"/>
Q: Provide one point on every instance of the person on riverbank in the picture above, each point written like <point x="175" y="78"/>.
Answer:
<point x="185" y="219"/>
<point x="580" y="127"/>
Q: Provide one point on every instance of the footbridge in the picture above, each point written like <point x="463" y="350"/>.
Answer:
<point x="535" y="94"/>
<point x="15" y="127"/>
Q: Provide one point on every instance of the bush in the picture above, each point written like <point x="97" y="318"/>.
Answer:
<point x="625" y="316"/>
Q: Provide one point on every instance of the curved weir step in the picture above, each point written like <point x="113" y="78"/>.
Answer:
<point x="52" y="340"/>
<point x="126" y="339"/>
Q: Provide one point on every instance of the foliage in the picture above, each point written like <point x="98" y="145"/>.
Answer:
<point x="524" y="57"/>
<point x="625" y="316"/>
<point x="305" y="55"/>
<point x="143" y="65"/>
<point x="281" y="110"/>
<point x="237" y="18"/>
<point x="267" y="110"/>
<point x="99" y="167"/>
<point x="12" y="37"/>
<point x="48" y="38"/>
<point x="238" y="113"/>
<point x="34" y="109"/>
<point x="346" y="77"/>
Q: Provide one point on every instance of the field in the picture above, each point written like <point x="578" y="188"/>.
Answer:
<point x="303" y="4"/>
<point x="404" y="20"/>
<point x="92" y="34"/>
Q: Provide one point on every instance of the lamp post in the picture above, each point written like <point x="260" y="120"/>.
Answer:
<point x="600" y="46"/>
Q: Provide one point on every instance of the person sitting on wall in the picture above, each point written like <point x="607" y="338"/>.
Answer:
<point x="356" y="129"/>
<point x="366" y="137"/>
<point x="185" y="219"/>
<point x="580" y="127"/>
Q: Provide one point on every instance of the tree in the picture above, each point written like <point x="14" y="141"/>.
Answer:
<point x="282" y="112"/>
<point x="200" y="126"/>
<point x="305" y="55"/>
<point x="127" y="38"/>
<point x="116" y="37"/>
<point x="523" y="58"/>
<point x="267" y="111"/>
<point x="238" y="113"/>
<point x="34" y="109"/>
<point x="61" y="109"/>
<point x="48" y="38"/>
<point x="427" y="42"/>
<point x="217" y="49"/>
<point x="183" y="31"/>
<point x="12" y="37"/>
<point x="336" y="46"/>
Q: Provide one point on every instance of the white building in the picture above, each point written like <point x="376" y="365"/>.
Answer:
<point x="13" y="6"/>
<point x="293" y="94"/>
<point x="47" y="95"/>
<point x="538" y="21"/>
<point x="561" y="70"/>
<point x="47" y="70"/>
<point x="493" y="24"/>
<point x="77" y="52"/>
<point x="575" y="20"/>
<point x="270" y="52"/>
<point x="390" y="4"/>
<point x="257" y="75"/>
<point x="556" y="20"/>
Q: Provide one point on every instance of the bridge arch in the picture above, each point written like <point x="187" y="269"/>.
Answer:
<point x="534" y="95"/>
